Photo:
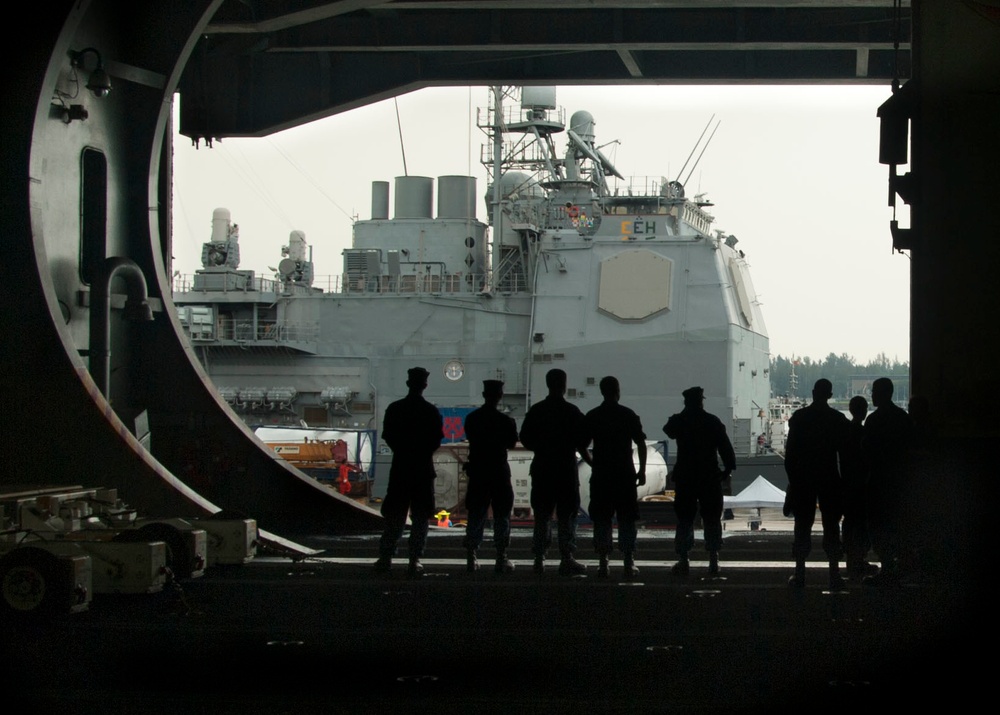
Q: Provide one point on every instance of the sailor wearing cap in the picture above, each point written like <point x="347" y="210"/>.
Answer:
<point x="490" y="433"/>
<point x="553" y="429"/>
<point x="413" y="429"/>
<point x="817" y="439"/>
<point x="701" y="442"/>
<point x="614" y="479"/>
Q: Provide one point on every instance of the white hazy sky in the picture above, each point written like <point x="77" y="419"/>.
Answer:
<point x="793" y="173"/>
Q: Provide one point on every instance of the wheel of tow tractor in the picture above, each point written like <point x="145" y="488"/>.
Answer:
<point x="30" y="585"/>
<point x="179" y="558"/>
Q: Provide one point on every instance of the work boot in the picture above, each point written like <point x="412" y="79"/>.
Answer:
<point x="384" y="564"/>
<point x="471" y="561"/>
<point x="603" y="570"/>
<point x="713" y="563"/>
<point x="681" y="568"/>
<point x="503" y="564"/>
<point x="798" y="579"/>
<point x="539" y="566"/>
<point x="569" y="566"/>
<point x="630" y="571"/>
<point x="416" y="569"/>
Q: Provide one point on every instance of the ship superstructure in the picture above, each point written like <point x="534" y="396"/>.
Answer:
<point x="575" y="268"/>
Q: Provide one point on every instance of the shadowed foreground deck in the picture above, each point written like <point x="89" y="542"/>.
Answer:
<point x="328" y="635"/>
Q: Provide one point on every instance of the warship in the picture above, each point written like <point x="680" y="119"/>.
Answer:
<point x="576" y="267"/>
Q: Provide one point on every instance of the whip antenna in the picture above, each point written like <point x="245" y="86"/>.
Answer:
<point x="402" y="149"/>
<point x="702" y="149"/>
<point x="695" y="147"/>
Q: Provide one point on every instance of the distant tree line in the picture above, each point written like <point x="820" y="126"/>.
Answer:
<point x="849" y="377"/>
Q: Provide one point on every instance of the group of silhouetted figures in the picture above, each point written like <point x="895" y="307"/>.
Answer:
<point x="860" y="473"/>
<point x="853" y="469"/>
<point x="559" y="434"/>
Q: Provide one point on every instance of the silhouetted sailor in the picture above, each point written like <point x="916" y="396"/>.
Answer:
<point x="889" y="434"/>
<point x="413" y="429"/>
<point x="614" y="428"/>
<point x="490" y="433"/>
<point x="854" y="473"/>
<point x="553" y="430"/>
<point x="701" y="442"/>
<point x="817" y="436"/>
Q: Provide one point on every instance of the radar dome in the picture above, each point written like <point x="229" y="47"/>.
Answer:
<point x="517" y="184"/>
<point x="582" y="123"/>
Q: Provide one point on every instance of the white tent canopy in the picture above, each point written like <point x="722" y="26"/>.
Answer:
<point x="759" y="493"/>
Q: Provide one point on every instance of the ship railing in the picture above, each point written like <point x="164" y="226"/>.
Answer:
<point x="695" y="216"/>
<point x="359" y="283"/>
<point x="182" y="283"/>
<point x="643" y="186"/>
<point x="226" y="283"/>
<point x="516" y="115"/>
<point x="524" y="153"/>
<point x="266" y="331"/>
<point x="266" y="285"/>
<point x="411" y="284"/>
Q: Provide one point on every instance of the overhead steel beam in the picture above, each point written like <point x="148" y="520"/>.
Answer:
<point x="298" y="61"/>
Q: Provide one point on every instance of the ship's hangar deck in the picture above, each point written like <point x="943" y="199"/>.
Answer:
<point x="87" y="190"/>
<point x="326" y="634"/>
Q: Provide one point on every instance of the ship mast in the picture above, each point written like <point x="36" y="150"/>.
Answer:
<point x="509" y="265"/>
<point x="496" y="137"/>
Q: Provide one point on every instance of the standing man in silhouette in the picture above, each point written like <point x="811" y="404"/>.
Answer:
<point x="854" y="472"/>
<point x="553" y="430"/>
<point x="614" y="428"/>
<point x="701" y="441"/>
<point x="490" y="433"/>
<point x="413" y="429"/>
<point x="817" y="436"/>
<point x="889" y="437"/>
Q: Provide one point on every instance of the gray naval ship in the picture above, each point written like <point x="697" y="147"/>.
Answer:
<point x="577" y="268"/>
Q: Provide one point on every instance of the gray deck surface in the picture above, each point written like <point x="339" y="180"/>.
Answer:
<point x="328" y="635"/>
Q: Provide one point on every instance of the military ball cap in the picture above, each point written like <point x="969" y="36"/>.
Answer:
<point x="417" y="373"/>
<point x="693" y="393"/>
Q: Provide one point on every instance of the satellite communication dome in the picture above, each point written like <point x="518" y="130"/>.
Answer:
<point x="582" y="123"/>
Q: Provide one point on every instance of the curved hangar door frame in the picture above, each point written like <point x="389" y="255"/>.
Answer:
<point x="102" y="386"/>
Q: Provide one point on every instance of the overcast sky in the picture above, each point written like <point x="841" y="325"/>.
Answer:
<point x="793" y="173"/>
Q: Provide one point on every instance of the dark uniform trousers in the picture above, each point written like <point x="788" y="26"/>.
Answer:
<point x="804" y="497"/>
<point x="608" y="499"/>
<point x="552" y="430"/>
<point x="704" y="493"/>
<point x="559" y="492"/>
<point x="414" y="496"/>
<point x="412" y="429"/>
<point x="489" y="486"/>
<point x="855" y="478"/>
<point x="490" y="433"/>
